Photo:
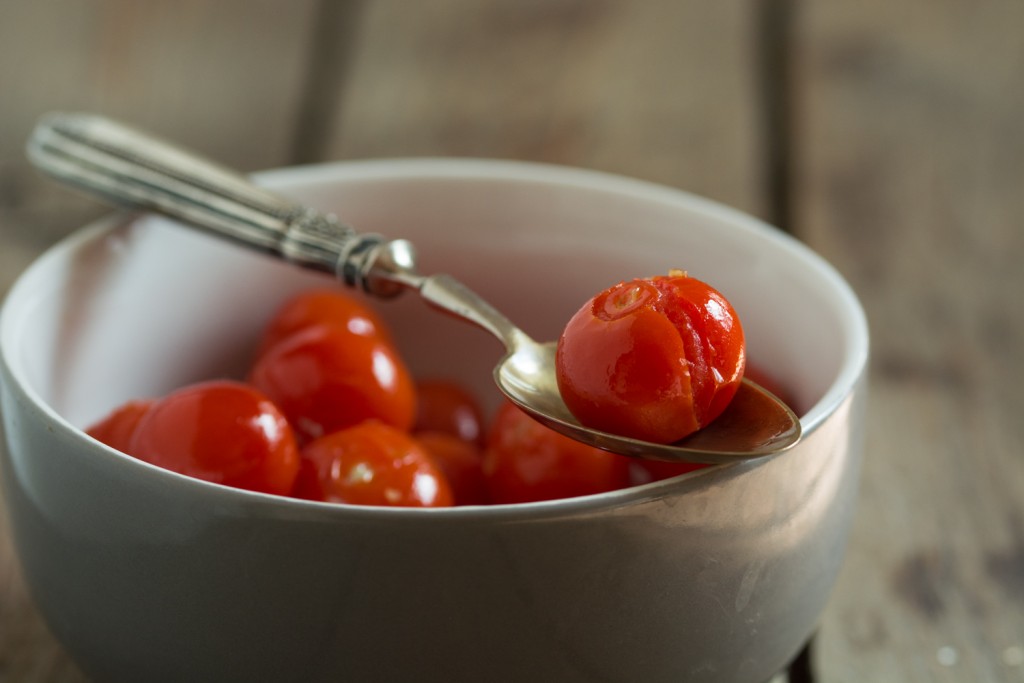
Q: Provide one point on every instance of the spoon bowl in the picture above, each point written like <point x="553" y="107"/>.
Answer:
<point x="134" y="169"/>
<point x="756" y="423"/>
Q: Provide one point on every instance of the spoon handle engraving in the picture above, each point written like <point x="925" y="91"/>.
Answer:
<point x="139" y="171"/>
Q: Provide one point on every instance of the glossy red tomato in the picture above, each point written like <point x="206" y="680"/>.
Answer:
<point x="117" y="428"/>
<point x="445" y="406"/>
<point x="327" y="378"/>
<point x="461" y="462"/>
<point x="653" y="359"/>
<point x="526" y="461"/>
<point x="371" y="464"/>
<point x="323" y="307"/>
<point x="220" y="431"/>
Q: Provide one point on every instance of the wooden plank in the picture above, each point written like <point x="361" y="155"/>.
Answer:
<point x="909" y="131"/>
<point x="659" y="90"/>
<point x="223" y="77"/>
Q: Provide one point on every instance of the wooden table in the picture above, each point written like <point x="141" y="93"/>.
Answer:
<point x="886" y="134"/>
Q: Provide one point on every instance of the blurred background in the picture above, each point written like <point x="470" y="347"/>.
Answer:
<point x="886" y="134"/>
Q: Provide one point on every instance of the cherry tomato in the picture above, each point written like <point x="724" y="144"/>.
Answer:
<point x="372" y="464"/>
<point x="117" y="428"/>
<point x="444" y="406"/>
<point x="653" y="359"/>
<point x="322" y="307"/>
<point x="327" y="378"/>
<point x="220" y="431"/>
<point x="461" y="462"/>
<point x="525" y="461"/>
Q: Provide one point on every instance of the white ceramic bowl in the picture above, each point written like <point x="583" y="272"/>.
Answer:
<point x="145" y="575"/>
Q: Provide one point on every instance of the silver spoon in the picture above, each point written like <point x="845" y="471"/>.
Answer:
<point x="134" y="169"/>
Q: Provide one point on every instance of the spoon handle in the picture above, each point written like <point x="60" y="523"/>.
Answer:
<point x="139" y="171"/>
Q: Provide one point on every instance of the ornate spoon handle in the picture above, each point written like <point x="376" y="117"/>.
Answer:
<point x="136" y="170"/>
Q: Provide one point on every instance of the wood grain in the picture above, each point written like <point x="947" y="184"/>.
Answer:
<point x="910" y="138"/>
<point x="663" y="91"/>
<point x="224" y="77"/>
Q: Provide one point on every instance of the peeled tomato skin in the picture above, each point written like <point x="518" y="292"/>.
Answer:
<point x="626" y="376"/>
<point x="716" y="346"/>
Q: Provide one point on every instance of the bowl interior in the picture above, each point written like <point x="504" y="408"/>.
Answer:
<point x="128" y="309"/>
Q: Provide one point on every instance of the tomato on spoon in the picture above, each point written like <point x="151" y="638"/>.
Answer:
<point x="653" y="359"/>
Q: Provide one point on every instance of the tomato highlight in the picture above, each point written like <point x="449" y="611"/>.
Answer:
<point x="372" y="464"/>
<point x="327" y="378"/>
<point x="653" y="359"/>
<point x="220" y="431"/>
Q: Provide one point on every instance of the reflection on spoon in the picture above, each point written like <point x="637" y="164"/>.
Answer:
<point x="134" y="169"/>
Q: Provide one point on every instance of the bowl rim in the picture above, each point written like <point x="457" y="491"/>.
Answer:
<point x="855" y="330"/>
